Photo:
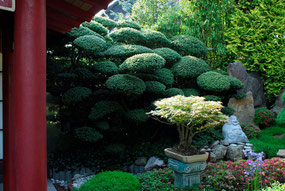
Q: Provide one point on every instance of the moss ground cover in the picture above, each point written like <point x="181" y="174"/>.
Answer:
<point x="267" y="143"/>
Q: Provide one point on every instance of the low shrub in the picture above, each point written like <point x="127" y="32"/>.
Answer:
<point x="143" y="63"/>
<point x="228" y="111"/>
<point x="81" y="31"/>
<point x="213" y="81"/>
<point x="212" y="98"/>
<point x="283" y="97"/>
<point x="90" y="43"/>
<point x="190" y="67"/>
<point x="171" y="56"/>
<point x="88" y="134"/>
<point x="125" y="51"/>
<point x="103" y="108"/>
<point x="126" y="84"/>
<point x="137" y="115"/>
<point x="173" y="92"/>
<point x="155" y="39"/>
<point x="112" y="181"/>
<point x="96" y="27"/>
<point x="267" y="141"/>
<point x="165" y="76"/>
<point x="235" y="83"/>
<point x="155" y="87"/>
<point x="76" y="95"/>
<point x="128" y="36"/>
<point x="130" y="24"/>
<point x="106" y="68"/>
<point x="250" y="130"/>
<point x="187" y="45"/>
<point x="263" y="117"/>
<point x="231" y="175"/>
<point x="190" y="92"/>
<point x="276" y="186"/>
<point x="281" y="118"/>
<point x="221" y="72"/>
<point x="239" y="95"/>
<point x="106" y="22"/>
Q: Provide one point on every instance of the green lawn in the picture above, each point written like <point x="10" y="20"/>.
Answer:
<point x="267" y="143"/>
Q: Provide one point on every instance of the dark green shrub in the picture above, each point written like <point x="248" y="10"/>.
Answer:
<point x="137" y="115"/>
<point x="90" y="43"/>
<point x="88" y="134"/>
<point x="239" y="96"/>
<point x="106" y="68"/>
<point x="112" y="181"/>
<point x="143" y="63"/>
<point x="171" y="56"/>
<point x="250" y="130"/>
<point x="190" y="92"/>
<point x="281" y="118"/>
<point x="126" y="84"/>
<point x="106" y="22"/>
<point x="85" y="75"/>
<point x="103" y="108"/>
<point x="263" y="117"/>
<point x="228" y="111"/>
<point x="190" y="67"/>
<point x="165" y="76"/>
<point x="236" y="84"/>
<point x="221" y="72"/>
<point x="125" y="51"/>
<point x="146" y="77"/>
<point x="173" y="92"/>
<point x="283" y="97"/>
<point x="212" y="98"/>
<point x="75" y="95"/>
<point x="128" y="36"/>
<point x="155" y="87"/>
<point x="130" y="24"/>
<point x="96" y="27"/>
<point x="187" y="45"/>
<point x="103" y="125"/>
<point x="155" y="39"/>
<point x="213" y="81"/>
<point x="81" y="31"/>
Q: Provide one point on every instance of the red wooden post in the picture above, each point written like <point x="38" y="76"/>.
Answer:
<point x="25" y="90"/>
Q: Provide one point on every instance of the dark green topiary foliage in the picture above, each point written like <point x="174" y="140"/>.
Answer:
<point x="125" y="51"/>
<point x="155" y="39"/>
<point x="173" y="92"/>
<point x="239" y="95"/>
<point x="96" y="27"/>
<point x="128" y="36"/>
<point x="143" y="63"/>
<point x="103" y="108"/>
<point x="103" y="125"/>
<point x="130" y="24"/>
<point x="90" y="43"/>
<point x="171" y="56"/>
<point x="235" y="83"/>
<point x="88" y="134"/>
<point x="155" y="87"/>
<point x="165" y="76"/>
<point x="213" y="81"/>
<point x="281" y="118"/>
<point x="85" y="75"/>
<point x="126" y="84"/>
<point x="190" y="92"/>
<point x="212" y="98"/>
<point x="82" y="31"/>
<point x="106" y="22"/>
<point x="137" y="115"/>
<point x="112" y="181"/>
<point x="75" y="95"/>
<point x="146" y="77"/>
<point x="187" y="45"/>
<point x="228" y="111"/>
<point x="283" y="97"/>
<point x="190" y="67"/>
<point x="221" y="72"/>
<point x="106" y="68"/>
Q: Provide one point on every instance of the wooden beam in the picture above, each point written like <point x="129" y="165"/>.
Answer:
<point x="62" y="18"/>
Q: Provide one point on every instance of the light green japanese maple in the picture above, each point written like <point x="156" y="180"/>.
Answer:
<point x="192" y="115"/>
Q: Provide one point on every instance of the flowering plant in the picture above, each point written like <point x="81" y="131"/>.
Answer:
<point x="263" y="117"/>
<point x="191" y="115"/>
<point x="250" y="130"/>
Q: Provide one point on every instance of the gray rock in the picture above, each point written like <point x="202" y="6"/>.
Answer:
<point x="234" y="144"/>
<point x="281" y="153"/>
<point x="232" y="131"/>
<point x="249" y="144"/>
<point x="246" y="147"/>
<point x="153" y="162"/>
<point x="141" y="161"/>
<point x="215" y="143"/>
<point x="244" y="108"/>
<point x="213" y="157"/>
<point x="76" y="176"/>
<point x="235" y="153"/>
<point x="240" y="143"/>
<point x="225" y="142"/>
<point x="220" y="151"/>
<point x="252" y="82"/>
<point x="203" y="150"/>
<point x="279" y="104"/>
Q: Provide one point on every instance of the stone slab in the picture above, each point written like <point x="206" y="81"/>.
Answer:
<point x="281" y="153"/>
<point x="50" y="186"/>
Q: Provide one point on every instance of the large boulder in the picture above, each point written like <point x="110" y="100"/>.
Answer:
<point x="244" y="108"/>
<point x="219" y="152"/>
<point x="233" y="133"/>
<point x="279" y="104"/>
<point x="235" y="152"/>
<point x="252" y="82"/>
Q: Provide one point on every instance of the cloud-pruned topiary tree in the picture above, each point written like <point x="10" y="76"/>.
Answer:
<point x="105" y="83"/>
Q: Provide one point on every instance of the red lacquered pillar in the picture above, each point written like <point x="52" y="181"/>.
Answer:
<point x="25" y="106"/>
